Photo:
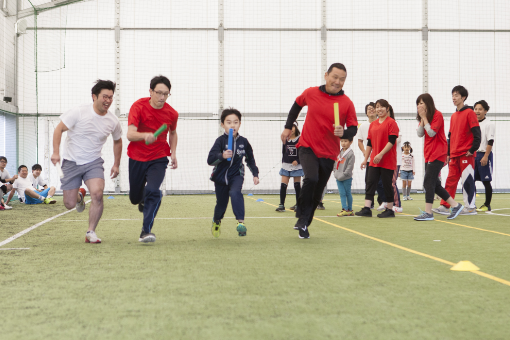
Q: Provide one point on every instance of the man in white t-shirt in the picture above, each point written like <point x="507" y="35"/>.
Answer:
<point x="5" y="182"/>
<point x="88" y="126"/>
<point x="484" y="161"/>
<point x="26" y="192"/>
<point x="38" y="182"/>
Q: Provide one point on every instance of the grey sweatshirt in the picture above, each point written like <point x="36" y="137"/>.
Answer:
<point x="345" y="165"/>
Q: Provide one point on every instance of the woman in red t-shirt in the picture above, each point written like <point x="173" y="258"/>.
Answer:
<point x="435" y="151"/>
<point x="382" y="136"/>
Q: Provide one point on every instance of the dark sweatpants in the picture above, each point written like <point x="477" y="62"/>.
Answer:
<point x="317" y="172"/>
<point x="223" y="192"/>
<point x="151" y="173"/>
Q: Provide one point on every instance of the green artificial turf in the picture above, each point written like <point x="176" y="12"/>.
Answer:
<point x="267" y="285"/>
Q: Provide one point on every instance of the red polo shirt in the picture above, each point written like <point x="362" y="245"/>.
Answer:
<point x="318" y="129"/>
<point x="148" y="119"/>
<point x="461" y="138"/>
<point x="379" y="134"/>
<point x="436" y="147"/>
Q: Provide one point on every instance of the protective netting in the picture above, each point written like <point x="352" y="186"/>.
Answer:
<point x="256" y="56"/>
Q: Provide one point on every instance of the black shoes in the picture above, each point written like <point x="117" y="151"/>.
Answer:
<point x="364" y="212"/>
<point x="281" y="208"/>
<point x="386" y="213"/>
<point x="321" y="206"/>
<point x="303" y="232"/>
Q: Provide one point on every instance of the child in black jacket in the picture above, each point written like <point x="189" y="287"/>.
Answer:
<point x="228" y="176"/>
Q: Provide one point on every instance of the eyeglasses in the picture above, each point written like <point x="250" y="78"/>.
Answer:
<point x="2" y="161"/>
<point x="105" y="97"/>
<point x="164" y="94"/>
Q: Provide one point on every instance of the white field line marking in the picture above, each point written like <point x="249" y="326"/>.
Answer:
<point x="21" y="233"/>
<point x="209" y="218"/>
<point x="13" y="248"/>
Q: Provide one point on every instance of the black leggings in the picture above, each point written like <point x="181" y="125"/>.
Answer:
<point x="386" y="175"/>
<point x="488" y="192"/>
<point x="431" y="182"/>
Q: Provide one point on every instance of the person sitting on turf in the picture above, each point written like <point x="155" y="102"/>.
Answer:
<point x="37" y="180"/>
<point x="27" y="193"/>
<point x="5" y="182"/>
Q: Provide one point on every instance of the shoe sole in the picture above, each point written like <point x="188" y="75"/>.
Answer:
<point x="424" y="219"/>
<point x="386" y="216"/>
<point x="216" y="231"/>
<point x="457" y="214"/>
<point x="87" y="241"/>
<point x="441" y="213"/>
<point x="305" y="238"/>
<point x="241" y="230"/>
<point x="280" y="210"/>
<point x="473" y="213"/>
<point x="81" y="206"/>
<point x="363" y="215"/>
<point x="147" y="239"/>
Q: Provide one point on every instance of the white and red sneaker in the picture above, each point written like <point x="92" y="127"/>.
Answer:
<point x="91" y="237"/>
<point x="397" y="209"/>
<point x="80" y="206"/>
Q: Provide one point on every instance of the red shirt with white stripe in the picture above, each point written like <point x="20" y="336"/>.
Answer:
<point x="318" y="129"/>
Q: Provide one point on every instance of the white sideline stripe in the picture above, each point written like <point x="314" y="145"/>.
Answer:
<point x="209" y="218"/>
<point x="13" y="248"/>
<point x="21" y="233"/>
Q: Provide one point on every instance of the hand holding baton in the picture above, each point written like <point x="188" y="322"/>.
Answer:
<point x="230" y="140"/>
<point x="158" y="132"/>
<point x="337" y="115"/>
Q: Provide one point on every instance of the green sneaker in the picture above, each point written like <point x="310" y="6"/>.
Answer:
<point x="484" y="208"/>
<point x="241" y="229"/>
<point x="49" y="200"/>
<point x="216" y="228"/>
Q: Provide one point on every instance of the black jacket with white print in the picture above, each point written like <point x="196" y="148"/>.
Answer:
<point x="225" y="170"/>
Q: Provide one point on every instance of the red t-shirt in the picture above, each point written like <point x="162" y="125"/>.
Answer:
<point x="436" y="148"/>
<point x="379" y="134"/>
<point x="318" y="129"/>
<point x="148" y="119"/>
<point x="461" y="138"/>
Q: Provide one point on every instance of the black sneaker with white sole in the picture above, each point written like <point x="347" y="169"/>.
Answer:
<point x="364" y="212"/>
<point x="386" y="213"/>
<point x="303" y="232"/>
<point x="147" y="237"/>
<point x="281" y="208"/>
<point x="293" y="207"/>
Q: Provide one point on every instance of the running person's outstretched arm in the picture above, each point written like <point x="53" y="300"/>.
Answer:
<point x="250" y="161"/>
<point x="172" y="139"/>
<point x="134" y="136"/>
<point x="57" y="137"/>
<point x="291" y="118"/>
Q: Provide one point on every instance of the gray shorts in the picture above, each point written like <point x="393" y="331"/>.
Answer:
<point x="75" y="174"/>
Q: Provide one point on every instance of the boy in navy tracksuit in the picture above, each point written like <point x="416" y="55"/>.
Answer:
<point x="228" y="176"/>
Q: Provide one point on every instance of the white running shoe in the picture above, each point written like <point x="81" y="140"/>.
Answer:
<point x="409" y="198"/>
<point x="382" y="207"/>
<point x="7" y="207"/>
<point x="397" y="209"/>
<point x="442" y="210"/>
<point x="468" y="211"/>
<point x="91" y="237"/>
<point x="405" y="198"/>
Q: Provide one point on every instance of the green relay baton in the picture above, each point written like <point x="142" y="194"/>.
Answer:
<point x="158" y="131"/>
